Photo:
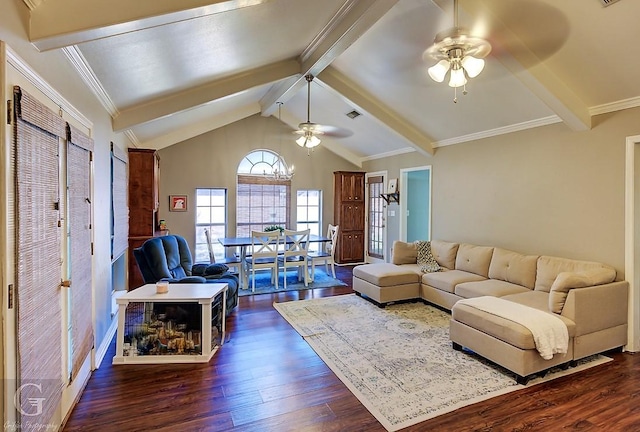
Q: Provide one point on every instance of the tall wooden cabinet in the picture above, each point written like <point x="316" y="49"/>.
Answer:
<point x="348" y="213"/>
<point x="144" y="171"/>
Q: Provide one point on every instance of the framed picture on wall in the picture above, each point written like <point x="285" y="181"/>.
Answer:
<point x="178" y="203"/>
<point x="393" y="186"/>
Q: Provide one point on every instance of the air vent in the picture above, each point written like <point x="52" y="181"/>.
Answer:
<point x="353" y="114"/>
<point x="608" y="2"/>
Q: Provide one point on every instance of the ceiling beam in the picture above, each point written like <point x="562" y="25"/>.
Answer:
<point x="60" y="23"/>
<point x="369" y="103"/>
<point x="516" y="56"/>
<point x="196" y="96"/>
<point x="353" y="19"/>
<point x="202" y="127"/>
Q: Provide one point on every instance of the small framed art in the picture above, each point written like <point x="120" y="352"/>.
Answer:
<point x="178" y="203"/>
<point x="392" y="187"/>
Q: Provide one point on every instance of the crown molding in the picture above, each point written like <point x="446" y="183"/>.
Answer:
<point x="43" y="86"/>
<point x="499" y="131"/>
<point x="615" y="106"/>
<point x="389" y="154"/>
<point x="81" y="66"/>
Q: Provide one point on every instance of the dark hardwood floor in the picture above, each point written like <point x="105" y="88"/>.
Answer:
<point x="266" y="378"/>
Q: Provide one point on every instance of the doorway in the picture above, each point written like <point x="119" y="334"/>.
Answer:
<point x="632" y="239"/>
<point x="375" y="217"/>
<point x="415" y="203"/>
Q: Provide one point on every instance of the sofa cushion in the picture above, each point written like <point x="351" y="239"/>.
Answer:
<point x="513" y="267"/>
<point x="445" y="253"/>
<point x="447" y="280"/>
<point x="566" y="281"/>
<point x="474" y="259"/>
<point x="489" y="287"/>
<point x="386" y="274"/>
<point x="426" y="261"/>
<point x="501" y="328"/>
<point x="540" y="300"/>
<point x="404" y="253"/>
<point x="550" y="267"/>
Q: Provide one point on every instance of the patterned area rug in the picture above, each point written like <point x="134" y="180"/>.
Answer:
<point x="398" y="361"/>
<point x="263" y="282"/>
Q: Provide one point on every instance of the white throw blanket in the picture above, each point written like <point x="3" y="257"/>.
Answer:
<point x="549" y="332"/>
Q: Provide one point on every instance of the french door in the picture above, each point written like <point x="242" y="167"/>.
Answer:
<point x="48" y="250"/>
<point x="376" y="218"/>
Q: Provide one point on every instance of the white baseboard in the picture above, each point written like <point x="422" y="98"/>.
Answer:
<point x="101" y="352"/>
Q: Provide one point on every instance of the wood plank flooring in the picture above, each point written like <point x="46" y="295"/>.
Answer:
<point x="266" y="378"/>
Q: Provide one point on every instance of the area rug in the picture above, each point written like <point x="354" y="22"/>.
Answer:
<point x="264" y="286"/>
<point x="399" y="361"/>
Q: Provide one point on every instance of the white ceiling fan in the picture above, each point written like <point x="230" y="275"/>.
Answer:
<point x="309" y="132"/>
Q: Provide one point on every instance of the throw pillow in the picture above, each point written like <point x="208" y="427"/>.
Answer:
<point x="404" y="253"/>
<point x="215" y="269"/>
<point x="426" y="261"/>
<point x="567" y="281"/>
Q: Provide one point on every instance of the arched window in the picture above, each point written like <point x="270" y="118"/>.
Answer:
<point x="263" y="199"/>
<point x="263" y="163"/>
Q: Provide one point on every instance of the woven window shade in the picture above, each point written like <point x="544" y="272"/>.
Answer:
<point x="120" y="207"/>
<point x="261" y="202"/>
<point x="79" y="148"/>
<point x="38" y="242"/>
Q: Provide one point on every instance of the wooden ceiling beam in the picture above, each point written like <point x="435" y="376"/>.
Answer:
<point x="358" y="96"/>
<point x="347" y="25"/>
<point x="60" y="23"/>
<point x="196" y="96"/>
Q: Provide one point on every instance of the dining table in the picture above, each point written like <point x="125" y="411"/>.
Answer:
<point x="243" y="243"/>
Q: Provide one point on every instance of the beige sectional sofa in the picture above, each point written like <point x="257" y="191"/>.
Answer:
<point x="585" y="295"/>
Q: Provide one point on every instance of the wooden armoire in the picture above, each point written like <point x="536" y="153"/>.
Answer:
<point x="348" y="214"/>
<point x="144" y="172"/>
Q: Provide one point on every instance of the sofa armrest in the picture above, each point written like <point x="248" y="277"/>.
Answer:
<point x="598" y="307"/>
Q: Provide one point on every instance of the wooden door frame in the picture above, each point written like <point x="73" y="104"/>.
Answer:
<point x="631" y="246"/>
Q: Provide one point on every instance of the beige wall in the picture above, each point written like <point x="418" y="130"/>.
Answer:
<point x="211" y="160"/>
<point x="547" y="190"/>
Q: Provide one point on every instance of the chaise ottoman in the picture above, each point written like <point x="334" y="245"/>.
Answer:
<point x="505" y="342"/>
<point x="385" y="283"/>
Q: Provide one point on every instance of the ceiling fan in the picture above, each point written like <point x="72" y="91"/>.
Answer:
<point x="309" y="132"/>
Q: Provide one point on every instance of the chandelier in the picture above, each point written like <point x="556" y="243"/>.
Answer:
<point x="459" y="52"/>
<point x="280" y="172"/>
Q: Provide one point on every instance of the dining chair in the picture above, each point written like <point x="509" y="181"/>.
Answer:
<point x="264" y="255"/>
<point x="326" y="253"/>
<point x="295" y="254"/>
<point x="233" y="262"/>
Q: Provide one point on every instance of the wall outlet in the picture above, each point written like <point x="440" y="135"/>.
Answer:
<point x="391" y="213"/>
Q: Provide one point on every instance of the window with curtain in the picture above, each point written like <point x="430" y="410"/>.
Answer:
<point x="309" y="212"/>
<point x="262" y="200"/>
<point x="211" y="214"/>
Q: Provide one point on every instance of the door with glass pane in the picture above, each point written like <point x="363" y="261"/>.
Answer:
<point x="376" y="218"/>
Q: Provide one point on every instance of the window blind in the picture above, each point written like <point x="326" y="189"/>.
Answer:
<point x="119" y="205"/>
<point x="79" y="154"/>
<point x="261" y="202"/>
<point x="37" y="131"/>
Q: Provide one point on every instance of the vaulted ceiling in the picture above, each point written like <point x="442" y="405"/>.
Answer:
<point x="167" y="71"/>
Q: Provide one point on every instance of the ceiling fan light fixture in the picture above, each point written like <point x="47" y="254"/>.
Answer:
<point x="308" y="140"/>
<point x="438" y="71"/>
<point x="459" y="52"/>
<point x="457" y="77"/>
<point x="472" y="66"/>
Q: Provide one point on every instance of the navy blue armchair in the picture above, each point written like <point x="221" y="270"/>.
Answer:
<point x="168" y="258"/>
